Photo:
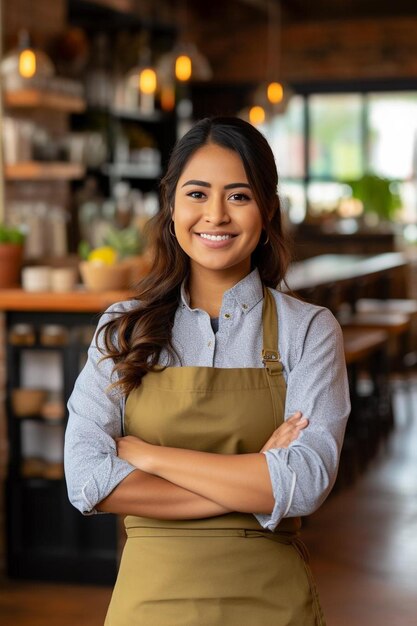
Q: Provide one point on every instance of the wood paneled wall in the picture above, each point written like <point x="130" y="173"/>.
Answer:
<point x="42" y="18"/>
<point x="351" y="49"/>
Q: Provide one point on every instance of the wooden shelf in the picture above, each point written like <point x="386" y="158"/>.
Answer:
<point x="33" y="170"/>
<point x="80" y="301"/>
<point x="35" y="98"/>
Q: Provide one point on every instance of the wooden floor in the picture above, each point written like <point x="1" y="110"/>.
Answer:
<point x="363" y="541"/>
<point x="363" y="545"/>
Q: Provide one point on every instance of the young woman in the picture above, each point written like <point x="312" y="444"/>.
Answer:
<point x="231" y="397"/>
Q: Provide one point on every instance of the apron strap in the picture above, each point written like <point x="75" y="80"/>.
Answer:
<point x="270" y="354"/>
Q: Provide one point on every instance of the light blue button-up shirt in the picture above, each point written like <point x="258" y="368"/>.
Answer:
<point x="311" y="349"/>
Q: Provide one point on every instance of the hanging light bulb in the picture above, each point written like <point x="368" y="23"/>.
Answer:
<point x="257" y="115"/>
<point x="275" y="92"/>
<point x="184" y="62"/>
<point x="141" y="81"/>
<point x="147" y="80"/>
<point x="272" y="95"/>
<point x="25" y="62"/>
<point x="183" y="67"/>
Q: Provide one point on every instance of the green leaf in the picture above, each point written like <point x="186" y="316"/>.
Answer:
<point x="84" y="249"/>
<point x="11" y="234"/>
<point x="377" y="195"/>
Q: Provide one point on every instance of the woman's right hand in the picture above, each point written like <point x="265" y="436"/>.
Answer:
<point x="287" y="432"/>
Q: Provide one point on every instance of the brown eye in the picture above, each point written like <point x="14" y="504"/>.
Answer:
<point x="239" y="197"/>
<point x="197" y="195"/>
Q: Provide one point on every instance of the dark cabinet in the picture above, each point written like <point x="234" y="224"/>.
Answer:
<point x="47" y="539"/>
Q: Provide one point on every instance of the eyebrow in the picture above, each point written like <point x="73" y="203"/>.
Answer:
<point x="202" y="183"/>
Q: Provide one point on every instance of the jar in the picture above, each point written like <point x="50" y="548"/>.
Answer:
<point x="32" y="467"/>
<point x="53" y="335"/>
<point x="53" y="471"/>
<point x="53" y="409"/>
<point x="36" y="278"/>
<point x="22" y="335"/>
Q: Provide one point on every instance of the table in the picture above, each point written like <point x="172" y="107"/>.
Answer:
<point x="341" y="268"/>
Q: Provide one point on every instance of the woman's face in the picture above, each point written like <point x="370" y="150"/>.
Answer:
<point x="217" y="221"/>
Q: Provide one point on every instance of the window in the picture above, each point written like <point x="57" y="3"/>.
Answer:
<point x="323" y="141"/>
<point x="286" y="135"/>
<point x="335" y="141"/>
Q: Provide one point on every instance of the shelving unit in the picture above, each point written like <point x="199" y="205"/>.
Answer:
<point x="47" y="539"/>
<point x="26" y="100"/>
<point x="159" y="127"/>
<point x="45" y="109"/>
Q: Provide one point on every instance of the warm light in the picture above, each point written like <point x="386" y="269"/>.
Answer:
<point x="27" y="63"/>
<point x="147" y="81"/>
<point x="183" y="67"/>
<point x="256" y="115"/>
<point x="275" y="93"/>
<point x="167" y="98"/>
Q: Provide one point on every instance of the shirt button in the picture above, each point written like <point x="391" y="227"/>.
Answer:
<point x="227" y="316"/>
<point x="244" y="306"/>
<point x="209" y="344"/>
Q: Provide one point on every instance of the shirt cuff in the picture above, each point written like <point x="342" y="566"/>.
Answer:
<point x="103" y="480"/>
<point x="283" y="480"/>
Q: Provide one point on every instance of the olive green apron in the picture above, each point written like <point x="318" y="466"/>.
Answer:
<point x="225" y="570"/>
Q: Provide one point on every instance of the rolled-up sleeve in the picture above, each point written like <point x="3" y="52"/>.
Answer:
<point x="303" y="474"/>
<point x="92" y="467"/>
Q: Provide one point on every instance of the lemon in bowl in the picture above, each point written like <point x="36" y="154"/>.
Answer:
<point x="102" y="272"/>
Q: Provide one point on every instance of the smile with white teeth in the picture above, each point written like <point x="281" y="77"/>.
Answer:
<point x="215" y="237"/>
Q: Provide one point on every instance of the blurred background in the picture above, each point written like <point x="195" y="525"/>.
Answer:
<point x="94" y="95"/>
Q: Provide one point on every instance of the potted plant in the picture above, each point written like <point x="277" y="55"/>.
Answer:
<point x="378" y="196"/>
<point x="11" y="255"/>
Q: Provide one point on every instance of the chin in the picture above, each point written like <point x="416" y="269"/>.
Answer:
<point x="217" y="266"/>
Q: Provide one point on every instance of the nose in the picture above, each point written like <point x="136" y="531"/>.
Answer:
<point x="215" y="211"/>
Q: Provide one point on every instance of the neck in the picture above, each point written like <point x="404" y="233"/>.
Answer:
<point x="206" y="287"/>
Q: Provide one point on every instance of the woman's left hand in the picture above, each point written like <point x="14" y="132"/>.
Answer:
<point x="133" y="450"/>
<point x="287" y="432"/>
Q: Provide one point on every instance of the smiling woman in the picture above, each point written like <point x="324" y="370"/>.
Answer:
<point x="217" y="223"/>
<point x="197" y="431"/>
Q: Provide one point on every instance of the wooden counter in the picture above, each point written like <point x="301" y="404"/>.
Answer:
<point x="79" y="301"/>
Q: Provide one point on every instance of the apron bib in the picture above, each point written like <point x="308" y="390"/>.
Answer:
<point x="225" y="570"/>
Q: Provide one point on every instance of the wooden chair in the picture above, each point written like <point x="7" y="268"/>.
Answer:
<point x="396" y="325"/>
<point x="371" y="414"/>
<point x="406" y="307"/>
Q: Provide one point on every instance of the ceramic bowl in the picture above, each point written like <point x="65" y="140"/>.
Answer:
<point x="97" y="277"/>
<point x="28" y="402"/>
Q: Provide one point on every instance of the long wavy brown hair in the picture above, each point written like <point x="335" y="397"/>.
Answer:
<point x="134" y="339"/>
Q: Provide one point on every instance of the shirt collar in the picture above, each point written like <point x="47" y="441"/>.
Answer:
<point x="246" y="293"/>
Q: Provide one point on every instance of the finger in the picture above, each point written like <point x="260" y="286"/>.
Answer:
<point x="302" y="423"/>
<point x="294" y="417"/>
